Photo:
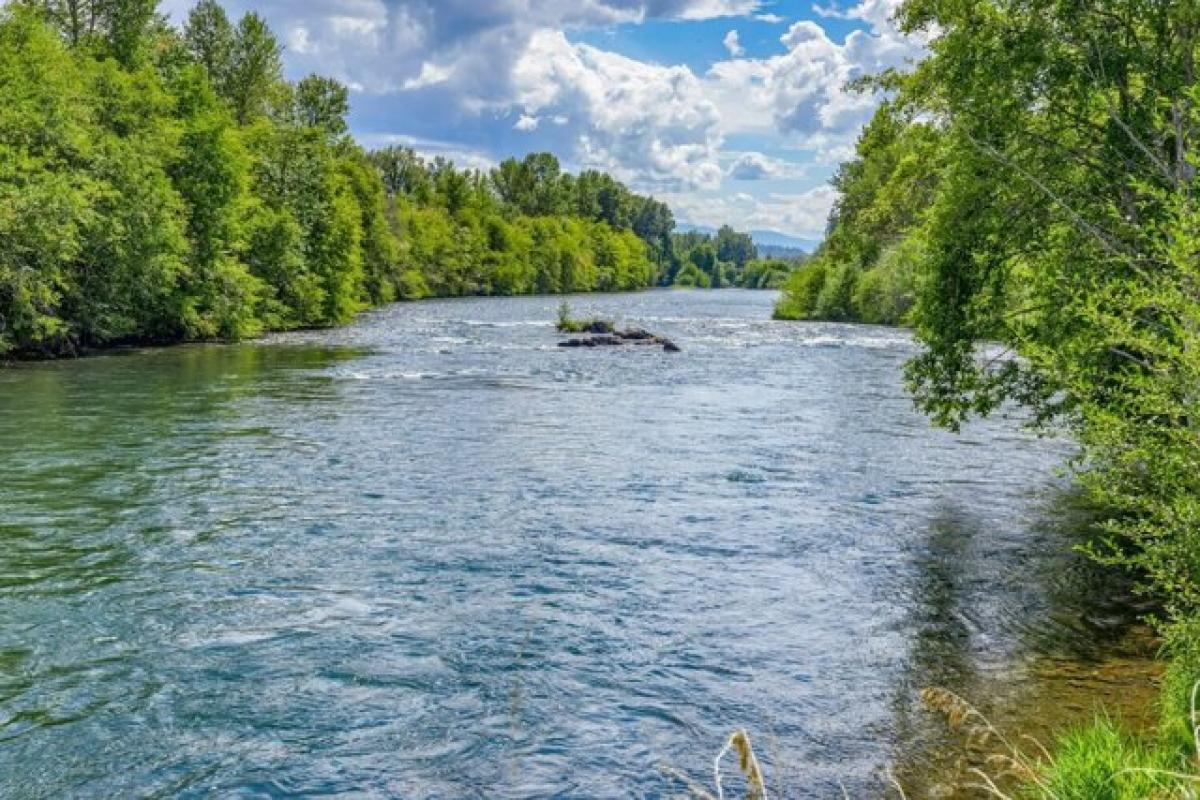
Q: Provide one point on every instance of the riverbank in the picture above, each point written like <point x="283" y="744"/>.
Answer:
<point x="133" y="345"/>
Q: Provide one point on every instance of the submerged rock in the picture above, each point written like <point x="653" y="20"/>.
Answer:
<point x="603" y="340"/>
<point x="616" y="338"/>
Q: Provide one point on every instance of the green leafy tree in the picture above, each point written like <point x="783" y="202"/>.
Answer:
<point x="254" y="71"/>
<point x="735" y="248"/>
<point x="211" y="40"/>
<point x="322" y="103"/>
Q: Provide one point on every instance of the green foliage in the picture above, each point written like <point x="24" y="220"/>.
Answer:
<point x="1101" y="762"/>
<point x="735" y="248"/>
<point x="1065" y="226"/>
<point x="210" y="40"/>
<point x="138" y="208"/>
<point x="802" y="292"/>
<point x="568" y="324"/>
<point x="770" y="273"/>
<point x="1033" y="185"/>
<point x="874" y="253"/>
<point x="163" y="185"/>
<point x="254" y="69"/>
<point x="729" y="259"/>
<point x="885" y="293"/>
<point x="322" y="103"/>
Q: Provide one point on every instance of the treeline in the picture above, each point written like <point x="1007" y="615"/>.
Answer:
<point x="727" y="259"/>
<point x="866" y="269"/>
<point x="169" y="185"/>
<point x="1033" y="185"/>
<point x="163" y="186"/>
<point x="524" y="227"/>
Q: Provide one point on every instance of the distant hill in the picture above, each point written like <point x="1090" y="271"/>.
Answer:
<point x="783" y="240"/>
<point x="771" y="244"/>
<point x="782" y="253"/>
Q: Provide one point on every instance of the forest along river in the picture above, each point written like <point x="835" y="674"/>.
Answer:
<point x="435" y="555"/>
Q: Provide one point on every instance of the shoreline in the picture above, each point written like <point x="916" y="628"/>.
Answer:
<point x="136" y="345"/>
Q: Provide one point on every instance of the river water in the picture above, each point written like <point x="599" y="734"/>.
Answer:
<point x="433" y="555"/>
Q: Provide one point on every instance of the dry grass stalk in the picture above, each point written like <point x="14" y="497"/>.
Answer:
<point x="1012" y="761"/>
<point x="756" y="787"/>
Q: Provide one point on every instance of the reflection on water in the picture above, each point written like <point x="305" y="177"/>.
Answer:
<point x="1078" y="646"/>
<point x="434" y="555"/>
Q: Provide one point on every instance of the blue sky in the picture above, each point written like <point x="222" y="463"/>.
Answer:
<point x="730" y="110"/>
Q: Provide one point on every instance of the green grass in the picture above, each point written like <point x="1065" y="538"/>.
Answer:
<point x="568" y="324"/>
<point x="1097" y="761"/>
<point x="1103" y="762"/>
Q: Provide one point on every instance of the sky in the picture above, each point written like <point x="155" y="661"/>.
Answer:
<point x="731" y="111"/>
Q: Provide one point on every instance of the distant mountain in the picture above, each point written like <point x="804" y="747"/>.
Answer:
<point x="779" y="245"/>
<point x="687" y="227"/>
<point x="777" y="239"/>
<point x="783" y="253"/>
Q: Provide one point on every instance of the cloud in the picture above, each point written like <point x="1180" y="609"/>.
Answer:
<point x="733" y="44"/>
<point x="662" y="128"/>
<point x="803" y="214"/>
<point x="803" y="92"/>
<point x="431" y="75"/>
<point x="645" y="123"/>
<point x="878" y="13"/>
<point x="758" y="167"/>
<point x="432" y="148"/>
<point x="383" y="45"/>
<point x="496" y="77"/>
<point x="713" y="9"/>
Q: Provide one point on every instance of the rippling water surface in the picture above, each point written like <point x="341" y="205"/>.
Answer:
<point x="434" y="555"/>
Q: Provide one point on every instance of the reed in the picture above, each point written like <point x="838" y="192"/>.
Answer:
<point x="739" y="744"/>
<point x="1099" y="761"/>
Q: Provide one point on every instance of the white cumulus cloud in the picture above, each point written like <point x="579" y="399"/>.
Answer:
<point x="645" y="123"/>
<point x="494" y="76"/>
<point x="733" y="44"/>
<point x="759" y="167"/>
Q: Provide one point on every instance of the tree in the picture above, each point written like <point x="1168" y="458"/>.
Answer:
<point x="322" y="103"/>
<point x="1062" y="225"/>
<point x="211" y="40"/>
<point x="255" y="70"/>
<point x="43" y="211"/>
<point x="77" y="19"/>
<point x="534" y="186"/>
<point x="211" y="173"/>
<point x="404" y="173"/>
<point x="125" y="25"/>
<point x="735" y="248"/>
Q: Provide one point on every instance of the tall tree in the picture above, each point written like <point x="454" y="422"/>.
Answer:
<point x="125" y="25"/>
<point x="256" y="68"/>
<point x="322" y="103"/>
<point x="211" y="40"/>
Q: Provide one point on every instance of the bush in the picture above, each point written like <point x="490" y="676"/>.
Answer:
<point x="801" y="292"/>
<point x="886" y="293"/>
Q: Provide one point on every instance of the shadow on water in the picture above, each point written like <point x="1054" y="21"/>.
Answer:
<point x="1034" y="634"/>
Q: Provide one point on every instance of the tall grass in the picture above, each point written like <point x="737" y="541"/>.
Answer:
<point x="1097" y="761"/>
<point x="747" y="761"/>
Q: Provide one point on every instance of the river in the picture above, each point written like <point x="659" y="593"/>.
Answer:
<point x="433" y="555"/>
